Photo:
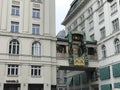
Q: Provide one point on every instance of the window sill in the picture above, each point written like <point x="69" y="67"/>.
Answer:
<point x="16" y="15"/>
<point x="12" y="75"/>
<point x="36" y="17"/>
<point x="36" y="76"/>
<point x="35" y="56"/>
<point x="14" y="32"/>
<point x="13" y="54"/>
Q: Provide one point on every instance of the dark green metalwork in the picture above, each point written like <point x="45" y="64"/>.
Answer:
<point x="105" y="73"/>
<point x="76" y="79"/>
<point x="86" y="88"/>
<point x="82" y="46"/>
<point x="116" y="70"/>
<point x="70" y="48"/>
<point x="84" y="78"/>
<point x="117" y="85"/>
<point x="106" y="87"/>
<point x="69" y="80"/>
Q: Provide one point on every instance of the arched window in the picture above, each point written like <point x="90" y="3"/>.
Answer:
<point x="36" y="49"/>
<point x="117" y="46"/>
<point x="14" y="47"/>
<point x="103" y="51"/>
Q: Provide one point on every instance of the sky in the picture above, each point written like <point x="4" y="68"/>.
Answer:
<point x="62" y="7"/>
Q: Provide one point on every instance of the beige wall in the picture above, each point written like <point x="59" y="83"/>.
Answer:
<point x="47" y="60"/>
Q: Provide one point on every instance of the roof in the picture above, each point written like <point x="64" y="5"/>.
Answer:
<point x="61" y="34"/>
<point x="75" y="7"/>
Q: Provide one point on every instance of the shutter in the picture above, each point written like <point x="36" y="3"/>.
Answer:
<point x="84" y="78"/>
<point x="106" y="87"/>
<point x="69" y="80"/>
<point x="116" y="70"/>
<point x="117" y="85"/>
<point x="105" y="73"/>
<point x="76" y="80"/>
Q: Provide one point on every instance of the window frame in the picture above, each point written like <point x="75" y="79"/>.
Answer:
<point x="36" y="48"/>
<point x="117" y="45"/>
<point x="35" y="71"/>
<point x="115" y="24"/>
<point x="103" y="33"/>
<point x="36" y="13"/>
<point x="12" y="70"/>
<point x="35" y="29"/>
<point x="14" y="27"/>
<point x="114" y="8"/>
<point x="15" y="10"/>
<point x="14" y="47"/>
<point x="103" y="51"/>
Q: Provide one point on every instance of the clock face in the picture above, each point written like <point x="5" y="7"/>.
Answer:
<point x="76" y="38"/>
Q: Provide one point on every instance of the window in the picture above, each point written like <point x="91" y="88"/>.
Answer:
<point x="36" y="13"/>
<point x="14" y="26"/>
<point x="82" y="26"/>
<point x="92" y="37"/>
<point x="69" y="28"/>
<point x="36" y="1"/>
<point x="103" y="33"/>
<point x="117" y="46"/>
<point x="35" y="70"/>
<point x="81" y="18"/>
<point x="60" y="88"/>
<point x="35" y="29"/>
<point x="75" y="23"/>
<point x="101" y="17"/>
<point x="36" y="49"/>
<point x="15" y="10"/>
<point x="114" y="8"/>
<point x="100" y="2"/>
<point x="12" y="70"/>
<point x="91" y="25"/>
<point x="14" y="47"/>
<point x="91" y="51"/>
<point x="115" y="24"/>
<point x="90" y="10"/>
<point x="103" y="51"/>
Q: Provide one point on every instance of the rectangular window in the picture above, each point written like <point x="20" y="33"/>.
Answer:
<point x="82" y="26"/>
<point x="14" y="26"/>
<point x="101" y="17"/>
<point x="114" y="8"/>
<point x="92" y="37"/>
<point x="91" y="25"/>
<point x="35" y="70"/>
<point x="15" y="10"/>
<point x="35" y="29"/>
<point x="12" y="70"/>
<point x="115" y="24"/>
<point x="36" y="1"/>
<point x="103" y="33"/>
<point x="81" y="17"/>
<point x="36" y="13"/>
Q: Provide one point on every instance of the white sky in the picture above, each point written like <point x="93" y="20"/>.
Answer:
<point x="62" y="7"/>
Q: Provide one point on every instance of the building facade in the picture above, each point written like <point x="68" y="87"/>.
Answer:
<point x="99" y="19"/>
<point x="28" y="53"/>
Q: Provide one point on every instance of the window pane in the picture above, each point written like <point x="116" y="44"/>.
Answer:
<point x="14" y="26"/>
<point x="36" y="13"/>
<point x="15" y="10"/>
<point x="14" y="47"/>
